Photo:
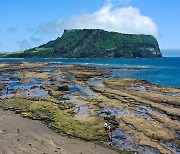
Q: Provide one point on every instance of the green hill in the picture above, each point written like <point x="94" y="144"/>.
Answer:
<point x="94" y="43"/>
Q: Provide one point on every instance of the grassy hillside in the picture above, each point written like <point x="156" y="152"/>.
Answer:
<point x="94" y="43"/>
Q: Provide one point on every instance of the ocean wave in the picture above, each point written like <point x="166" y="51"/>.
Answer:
<point x="52" y="62"/>
<point x="106" y="65"/>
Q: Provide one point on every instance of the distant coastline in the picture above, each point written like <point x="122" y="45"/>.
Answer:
<point x="94" y="43"/>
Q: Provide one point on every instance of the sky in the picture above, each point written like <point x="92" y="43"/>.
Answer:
<point x="29" y="23"/>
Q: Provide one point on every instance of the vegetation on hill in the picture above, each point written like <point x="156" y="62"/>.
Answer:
<point x="94" y="43"/>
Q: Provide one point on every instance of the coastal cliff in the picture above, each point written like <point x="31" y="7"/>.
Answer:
<point x="94" y="43"/>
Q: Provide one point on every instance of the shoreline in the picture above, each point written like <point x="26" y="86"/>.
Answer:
<point x="127" y="100"/>
<point x="141" y="69"/>
<point x="20" y="135"/>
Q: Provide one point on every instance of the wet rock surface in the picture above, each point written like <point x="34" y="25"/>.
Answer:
<point x="77" y="100"/>
<point x="128" y="143"/>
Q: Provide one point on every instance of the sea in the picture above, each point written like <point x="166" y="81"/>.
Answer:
<point x="160" y="71"/>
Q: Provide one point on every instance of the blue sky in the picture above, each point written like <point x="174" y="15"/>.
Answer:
<point x="29" y="23"/>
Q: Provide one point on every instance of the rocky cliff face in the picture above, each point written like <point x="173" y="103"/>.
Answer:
<point x="95" y="43"/>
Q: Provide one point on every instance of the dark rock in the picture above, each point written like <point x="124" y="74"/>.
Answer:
<point x="63" y="88"/>
<point x="18" y="111"/>
<point x="30" y="145"/>
<point x="11" y="108"/>
<point x="107" y="112"/>
<point x="50" y="93"/>
<point x="33" y="87"/>
<point x="110" y="118"/>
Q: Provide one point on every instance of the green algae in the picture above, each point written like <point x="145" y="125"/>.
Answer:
<point x="58" y="116"/>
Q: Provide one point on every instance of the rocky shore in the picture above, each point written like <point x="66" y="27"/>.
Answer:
<point x="20" y="135"/>
<point x="75" y="101"/>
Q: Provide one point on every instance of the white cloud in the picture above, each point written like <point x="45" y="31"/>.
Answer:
<point x="110" y="18"/>
<point x="29" y="43"/>
<point x="24" y="44"/>
<point x="35" y="39"/>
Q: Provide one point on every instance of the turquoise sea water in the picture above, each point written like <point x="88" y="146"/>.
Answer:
<point x="161" y="71"/>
